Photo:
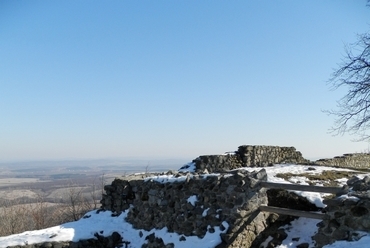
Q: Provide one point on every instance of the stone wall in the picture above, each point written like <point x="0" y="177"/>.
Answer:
<point x="352" y="160"/>
<point x="249" y="156"/>
<point x="193" y="204"/>
<point x="347" y="215"/>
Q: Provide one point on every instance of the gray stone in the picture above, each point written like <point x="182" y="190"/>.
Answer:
<point x="354" y="160"/>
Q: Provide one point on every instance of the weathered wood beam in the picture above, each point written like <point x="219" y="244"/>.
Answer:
<point x="320" y="189"/>
<point x="292" y="212"/>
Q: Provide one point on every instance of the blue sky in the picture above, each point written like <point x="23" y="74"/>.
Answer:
<point x="171" y="79"/>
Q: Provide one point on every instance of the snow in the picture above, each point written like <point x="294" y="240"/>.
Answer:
<point x="313" y="197"/>
<point x="193" y="199"/>
<point x="189" y="167"/>
<point x="173" y="178"/>
<point x="362" y="243"/>
<point x="299" y="231"/>
<point x="167" y="178"/>
<point x="354" y="198"/>
<point x="205" y="212"/>
<point x="104" y="224"/>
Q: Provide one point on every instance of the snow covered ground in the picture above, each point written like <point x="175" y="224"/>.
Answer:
<point x="104" y="224"/>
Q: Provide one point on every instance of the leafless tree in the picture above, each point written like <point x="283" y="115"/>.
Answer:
<point x="102" y="184"/>
<point x="77" y="203"/>
<point x="23" y="214"/>
<point x="147" y="169"/>
<point x="39" y="212"/>
<point x="353" y="109"/>
<point x="13" y="219"/>
<point x="97" y="190"/>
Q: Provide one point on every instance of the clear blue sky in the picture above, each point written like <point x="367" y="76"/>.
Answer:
<point x="171" y="79"/>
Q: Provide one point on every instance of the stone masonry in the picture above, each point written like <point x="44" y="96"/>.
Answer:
<point x="249" y="156"/>
<point x="226" y="200"/>
<point x="352" y="160"/>
<point x="217" y="196"/>
<point x="346" y="216"/>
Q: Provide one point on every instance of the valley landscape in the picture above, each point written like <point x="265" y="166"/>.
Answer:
<point x="50" y="178"/>
<point x="54" y="192"/>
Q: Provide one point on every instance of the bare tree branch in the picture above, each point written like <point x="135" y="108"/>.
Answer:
<point x="353" y="113"/>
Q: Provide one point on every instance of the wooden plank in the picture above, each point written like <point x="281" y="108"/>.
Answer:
<point x="320" y="189"/>
<point x="292" y="212"/>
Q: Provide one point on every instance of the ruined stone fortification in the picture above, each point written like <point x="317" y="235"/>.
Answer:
<point x="346" y="215"/>
<point x="192" y="204"/>
<point x="226" y="200"/>
<point x="352" y="160"/>
<point x="261" y="156"/>
<point x="249" y="156"/>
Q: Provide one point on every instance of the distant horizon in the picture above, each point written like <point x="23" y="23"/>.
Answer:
<point x="144" y="160"/>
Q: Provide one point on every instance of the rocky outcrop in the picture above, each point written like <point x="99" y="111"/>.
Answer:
<point x="351" y="160"/>
<point x="249" y="156"/>
<point x="347" y="215"/>
<point x="274" y="235"/>
<point x="193" y="204"/>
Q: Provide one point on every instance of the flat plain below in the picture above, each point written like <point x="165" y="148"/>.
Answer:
<point x="51" y="180"/>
